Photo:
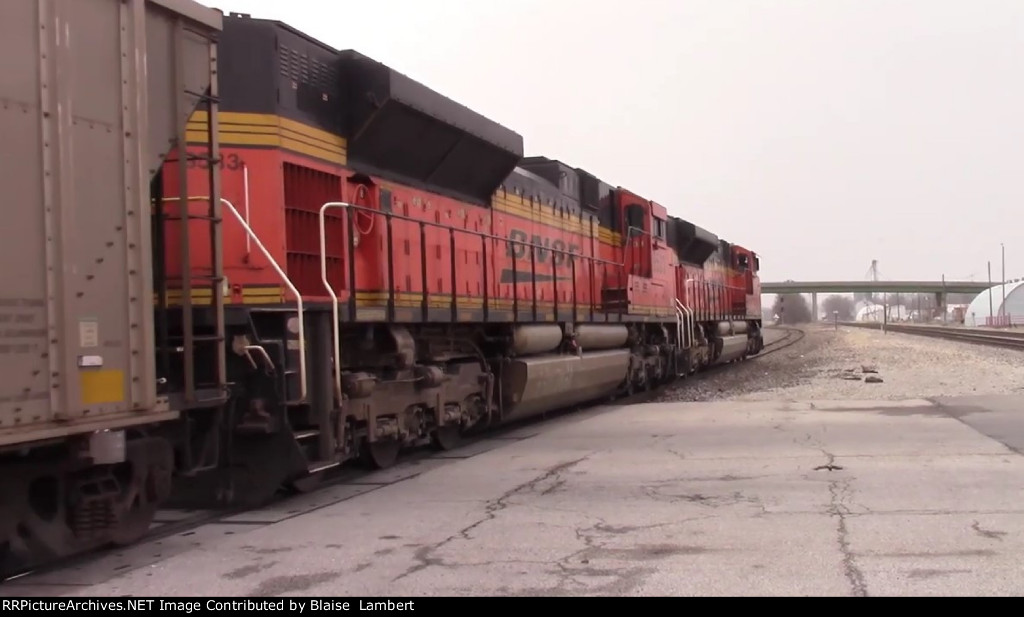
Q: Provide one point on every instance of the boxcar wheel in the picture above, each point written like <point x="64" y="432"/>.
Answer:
<point x="149" y="485"/>
<point x="134" y="525"/>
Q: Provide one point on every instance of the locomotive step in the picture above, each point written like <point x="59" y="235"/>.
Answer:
<point x="318" y="466"/>
<point x="306" y="434"/>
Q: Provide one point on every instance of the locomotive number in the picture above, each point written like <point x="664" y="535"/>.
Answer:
<point x="230" y="162"/>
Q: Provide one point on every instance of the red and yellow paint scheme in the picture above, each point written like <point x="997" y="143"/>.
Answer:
<point x="390" y="267"/>
<point x="278" y="173"/>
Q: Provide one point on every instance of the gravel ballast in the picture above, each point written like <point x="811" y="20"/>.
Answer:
<point x="859" y="364"/>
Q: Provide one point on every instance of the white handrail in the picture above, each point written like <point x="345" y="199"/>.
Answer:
<point x="330" y="290"/>
<point x="693" y="326"/>
<point x="688" y="287"/>
<point x="690" y="321"/>
<point x="245" y="189"/>
<point x="682" y="323"/>
<point x="280" y="272"/>
<point x="679" y="325"/>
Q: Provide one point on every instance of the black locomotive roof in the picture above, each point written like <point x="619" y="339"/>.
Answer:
<point x="397" y="124"/>
<point x="282" y="25"/>
<point x="693" y="244"/>
<point x="379" y="83"/>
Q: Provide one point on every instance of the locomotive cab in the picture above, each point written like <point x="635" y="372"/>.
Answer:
<point x="636" y="233"/>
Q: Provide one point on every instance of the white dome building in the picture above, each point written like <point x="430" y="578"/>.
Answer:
<point x="978" y="313"/>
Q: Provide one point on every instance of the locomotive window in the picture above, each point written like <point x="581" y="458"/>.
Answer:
<point x="743" y="262"/>
<point x="659" y="228"/>
<point x="635" y="219"/>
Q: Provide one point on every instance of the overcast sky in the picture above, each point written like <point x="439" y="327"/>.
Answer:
<point x="820" y="133"/>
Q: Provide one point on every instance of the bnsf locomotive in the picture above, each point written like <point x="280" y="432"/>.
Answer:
<point x="339" y="264"/>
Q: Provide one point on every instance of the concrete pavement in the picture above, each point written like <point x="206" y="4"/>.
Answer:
<point x="777" y="498"/>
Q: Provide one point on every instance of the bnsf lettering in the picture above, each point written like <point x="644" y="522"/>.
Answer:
<point x="519" y="248"/>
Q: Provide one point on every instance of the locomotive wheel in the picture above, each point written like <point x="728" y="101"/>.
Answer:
<point x="380" y="454"/>
<point x="446" y="437"/>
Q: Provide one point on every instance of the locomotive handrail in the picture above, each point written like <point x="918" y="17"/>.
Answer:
<point x="480" y="234"/>
<point x="690" y="321"/>
<point x="572" y="257"/>
<point x="393" y="216"/>
<point x="280" y="272"/>
<point x="330" y="290"/>
<point x="679" y="323"/>
<point x="709" y="288"/>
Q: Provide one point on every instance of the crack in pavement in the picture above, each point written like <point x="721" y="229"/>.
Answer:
<point x="424" y="554"/>
<point x="578" y="576"/>
<point x="987" y="533"/>
<point x="838" y="491"/>
<point x="831" y="464"/>
<point x="853" y="574"/>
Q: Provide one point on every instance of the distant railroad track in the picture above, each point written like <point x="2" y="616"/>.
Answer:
<point x="993" y="338"/>
<point x="181" y="521"/>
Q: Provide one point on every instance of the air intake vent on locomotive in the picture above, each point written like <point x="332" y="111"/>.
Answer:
<point x="396" y="125"/>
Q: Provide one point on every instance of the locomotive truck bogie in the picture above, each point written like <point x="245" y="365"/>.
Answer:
<point x="404" y="386"/>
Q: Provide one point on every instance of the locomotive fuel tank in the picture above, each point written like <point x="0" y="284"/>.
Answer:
<point x="535" y="339"/>
<point x="728" y="328"/>
<point x="531" y="386"/>
<point x="731" y="348"/>
<point x="601" y="336"/>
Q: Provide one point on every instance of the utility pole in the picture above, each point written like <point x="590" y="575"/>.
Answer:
<point x="1002" y="307"/>
<point x="990" y="292"/>
<point x="942" y="302"/>
<point x="885" y="311"/>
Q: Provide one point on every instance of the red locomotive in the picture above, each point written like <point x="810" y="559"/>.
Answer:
<point x="369" y="265"/>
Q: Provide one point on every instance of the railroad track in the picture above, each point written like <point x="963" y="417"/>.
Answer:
<point x="173" y="523"/>
<point x="993" y="338"/>
<point x="792" y="337"/>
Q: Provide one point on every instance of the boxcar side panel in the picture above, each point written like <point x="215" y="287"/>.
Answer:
<point x="76" y="345"/>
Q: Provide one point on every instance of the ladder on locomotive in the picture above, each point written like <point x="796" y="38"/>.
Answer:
<point x="201" y="343"/>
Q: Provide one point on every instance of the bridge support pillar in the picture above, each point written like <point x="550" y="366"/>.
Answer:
<point x="814" y="306"/>
<point x="940" y="301"/>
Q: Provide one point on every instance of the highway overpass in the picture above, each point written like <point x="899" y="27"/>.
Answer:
<point x="816" y="287"/>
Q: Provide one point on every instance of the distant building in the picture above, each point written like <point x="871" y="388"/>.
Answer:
<point x="980" y="312"/>
<point x="879" y="313"/>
